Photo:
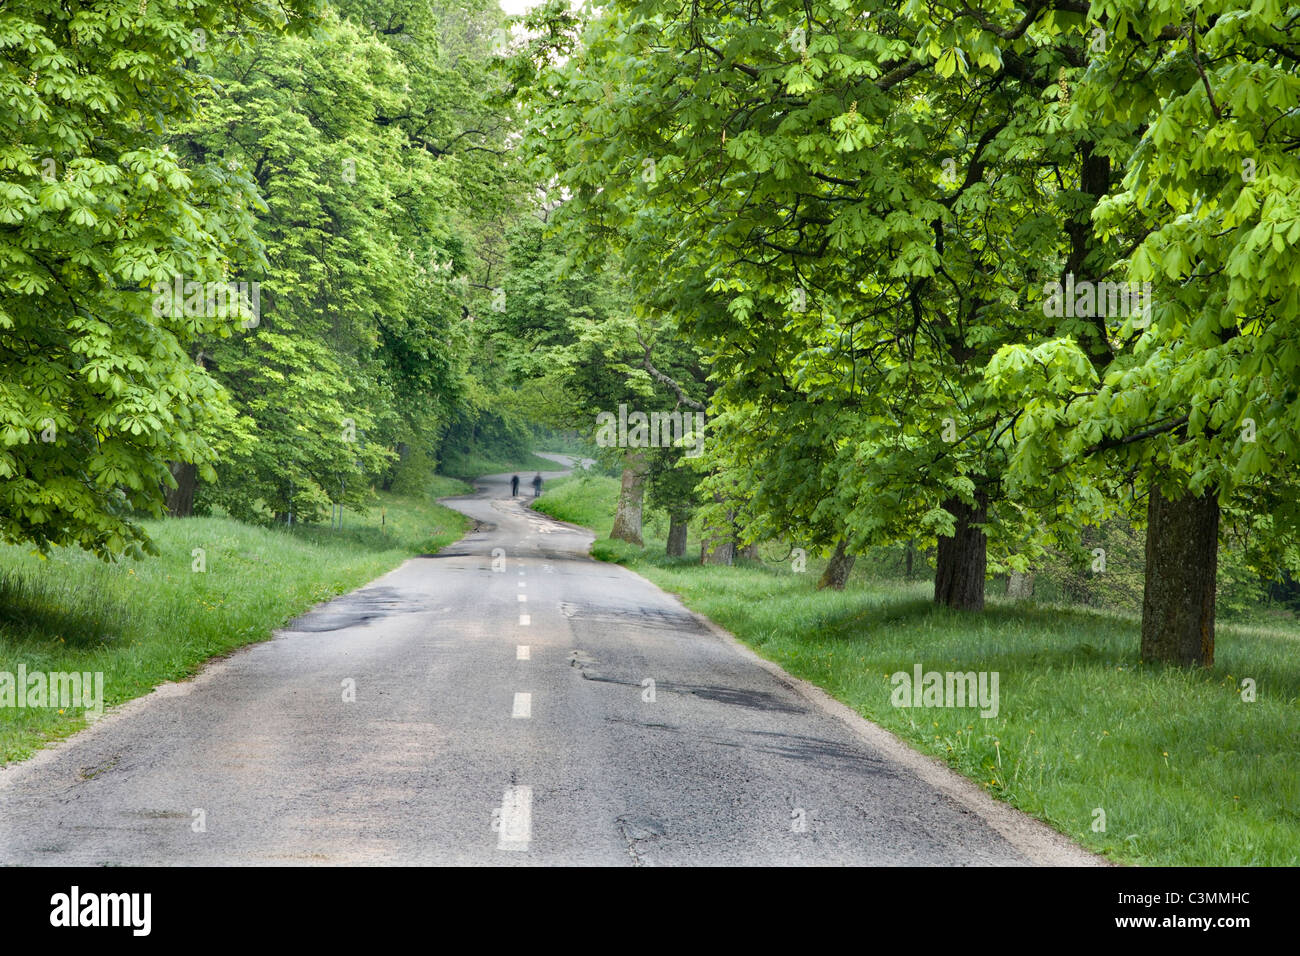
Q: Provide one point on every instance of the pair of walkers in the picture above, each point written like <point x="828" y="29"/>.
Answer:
<point x="537" y="485"/>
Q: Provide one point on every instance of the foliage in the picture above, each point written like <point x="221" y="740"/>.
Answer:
<point x="97" y="391"/>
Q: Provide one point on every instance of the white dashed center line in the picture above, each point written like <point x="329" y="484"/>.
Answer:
<point x="524" y="620"/>
<point x="516" y="824"/>
<point x="523" y="705"/>
<point x="523" y="653"/>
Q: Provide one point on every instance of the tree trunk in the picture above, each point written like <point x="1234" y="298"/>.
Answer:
<point x="908" y="556"/>
<point x="1182" y="566"/>
<point x="676" y="534"/>
<point x="180" y="500"/>
<point x="837" y="570"/>
<point x="718" y="550"/>
<point x="749" y="551"/>
<point x="719" y="544"/>
<point x="1020" y="587"/>
<point x="627" y="521"/>
<point x="963" y="558"/>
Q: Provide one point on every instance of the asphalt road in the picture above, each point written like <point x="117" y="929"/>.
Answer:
<point x="501" y="715"/>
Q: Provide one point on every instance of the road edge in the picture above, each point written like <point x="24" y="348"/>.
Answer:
<point x="1040" y="843"/>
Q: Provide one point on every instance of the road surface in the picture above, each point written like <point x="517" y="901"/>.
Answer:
<point x="507" y="701"/>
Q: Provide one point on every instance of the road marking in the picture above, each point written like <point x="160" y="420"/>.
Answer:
<point x="523" y="584"/>
<point x="522" y="652"/>
<point x="516" y="824"/>
<point x="522" y="597"/>
<point x="523" y="705"/>
<point x="524" y="619"/>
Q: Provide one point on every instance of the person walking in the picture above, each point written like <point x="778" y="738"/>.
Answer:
<point x="514" y="486"/>
<point x="537" y="485"/>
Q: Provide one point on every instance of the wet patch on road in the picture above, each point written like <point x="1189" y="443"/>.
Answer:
<point x="819" y="750"/>
<point x="357" y="608"/>
<point x="657" y="619"/>
<point x="755" y="699"/>
<point x="752" y="699"/>
<point x="459" y="554"/>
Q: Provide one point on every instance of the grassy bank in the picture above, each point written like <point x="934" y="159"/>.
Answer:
<point x="1185" y="771"/>
<point x="466" y="467"/>
<point x="588" y="500"/>
<point x="143" y="623"/>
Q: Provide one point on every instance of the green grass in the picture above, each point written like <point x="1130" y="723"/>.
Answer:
<point x="588" y="500"/>
<point x="442" y="486"/>
<point x="143" y="623"/>
<point x="468" y="467"/>
<point x="1186" y="771"/>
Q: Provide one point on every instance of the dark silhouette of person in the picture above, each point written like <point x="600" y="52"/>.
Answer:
<point x="514" y="486"/>
<point x="537" y="485"/>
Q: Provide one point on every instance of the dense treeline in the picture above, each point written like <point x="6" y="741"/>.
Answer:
<point x="984" y="275"/>
<point x="243" y="253"/>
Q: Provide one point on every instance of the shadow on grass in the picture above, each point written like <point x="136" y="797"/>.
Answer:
<point x="1037" y="637"/>
<point x="36" y="608"/>
<point x="368" y="537"/>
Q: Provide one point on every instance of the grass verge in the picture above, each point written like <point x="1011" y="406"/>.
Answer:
<point x="469" y="467"/>
<point x="143" y="623"/>
<point x="1181" y="769"/>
